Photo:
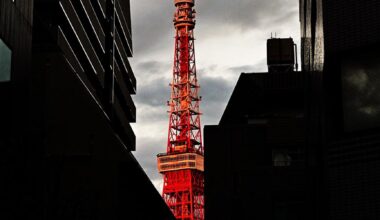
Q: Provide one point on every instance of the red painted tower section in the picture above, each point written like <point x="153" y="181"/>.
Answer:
<point x="182" y="164"/>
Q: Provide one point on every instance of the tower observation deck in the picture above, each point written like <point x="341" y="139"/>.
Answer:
<point x="182" y="164"/>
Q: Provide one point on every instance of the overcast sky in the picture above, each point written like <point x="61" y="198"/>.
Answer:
<point x="230" y="38"/>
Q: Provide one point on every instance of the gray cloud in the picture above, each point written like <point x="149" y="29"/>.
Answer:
<point x="246" y="14"/>
<point x="156" y="92"/>
<point x="152" y="68"/>
<point x="153" y="78"/>
<point x="147" y="158"/>
<point x="152" y="20"/>
<point x="259" y="67"/>
<point x="151" y="24"/>
<point x="153" y="97"/>
<point x="215" y="90"/>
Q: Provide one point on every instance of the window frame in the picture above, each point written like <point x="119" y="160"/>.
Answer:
<point x="2" y="41"/>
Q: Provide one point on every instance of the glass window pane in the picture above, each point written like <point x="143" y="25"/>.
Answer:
<point x="361" y="89"/>
<point x="5" y="62"/>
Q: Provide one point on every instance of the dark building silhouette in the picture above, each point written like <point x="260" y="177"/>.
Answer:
<point x="257" y="165"/>
<point x="340" y="44"/>
<point x="66" y="109"/>
<point x="340" y="175"/>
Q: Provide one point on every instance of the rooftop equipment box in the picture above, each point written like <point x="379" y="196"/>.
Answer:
<point x="280" y="51"/>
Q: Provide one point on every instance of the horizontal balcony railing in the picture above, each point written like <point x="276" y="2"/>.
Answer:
<point x="125" y="28"/>
<point x="82" y="38"/>
<point x="126" y="70"/>
<point x="122" y="126"/>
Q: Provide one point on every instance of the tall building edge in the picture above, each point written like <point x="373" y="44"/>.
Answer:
<point x="340" y="43"/>
<point x="66" y="139"/>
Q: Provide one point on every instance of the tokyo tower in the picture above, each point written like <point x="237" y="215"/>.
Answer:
<point x="182" y="164"/>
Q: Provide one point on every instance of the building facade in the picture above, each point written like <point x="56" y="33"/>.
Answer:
<point x="340" y="43"/>
<point x="257" y="165"/>
<point x="256" y="158"/>
<point x="16" y="19"/>
<point x="66" y="138"/>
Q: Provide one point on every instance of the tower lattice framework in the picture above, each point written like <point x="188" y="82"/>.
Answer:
<point x="182" y="164"/>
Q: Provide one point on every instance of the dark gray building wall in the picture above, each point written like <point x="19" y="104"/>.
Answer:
<point x="257" y="165"/>
<point x="16" y="33"/>
<point x="237" y="173"/>
<point x="65" y="143"/>
<point x="81" y="30"/>
<point x="344" y="122"/>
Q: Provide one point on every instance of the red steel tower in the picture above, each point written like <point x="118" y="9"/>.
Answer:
<point x="182" y="164"/>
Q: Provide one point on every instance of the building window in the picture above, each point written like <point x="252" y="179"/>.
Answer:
<point x="360" y="91"/>
<point x="281" y="159"/>
<point x="5" y="62"/>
